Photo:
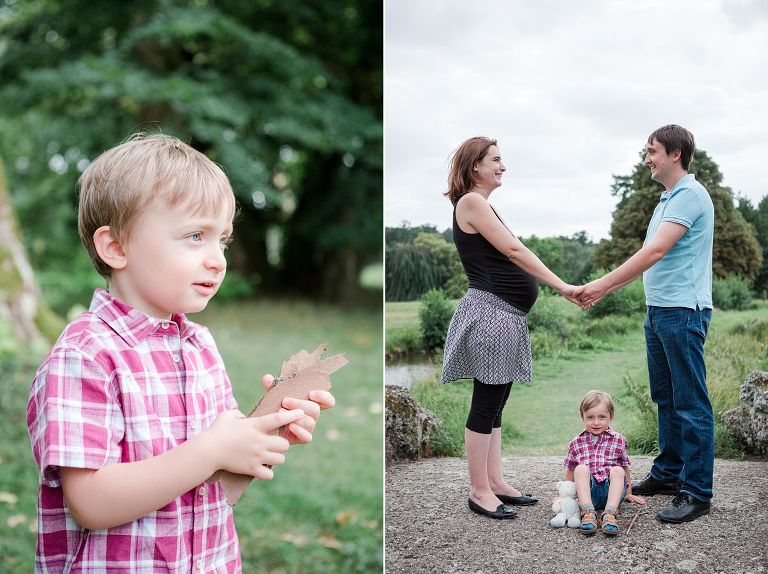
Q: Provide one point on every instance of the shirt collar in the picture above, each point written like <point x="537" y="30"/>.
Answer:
<point x="133" y="325"/>
<point x="608" y="432"/>
<point x="682" y="182"/>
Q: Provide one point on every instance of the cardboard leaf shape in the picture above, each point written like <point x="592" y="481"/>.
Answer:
<point x="302" y="373"/>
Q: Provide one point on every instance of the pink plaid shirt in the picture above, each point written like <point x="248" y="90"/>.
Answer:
<point x="599" y="452"/>
<point x="120" y="386"/>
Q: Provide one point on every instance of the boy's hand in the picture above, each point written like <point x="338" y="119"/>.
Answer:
<point x="300" y="432"/>
<point x="242" y="445"/>
<point x="634" y="498"/>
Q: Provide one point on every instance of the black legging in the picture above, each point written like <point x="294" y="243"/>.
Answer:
<point x="487" y="403"/>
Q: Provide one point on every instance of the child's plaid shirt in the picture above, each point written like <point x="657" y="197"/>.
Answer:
<point x="599" y="452"/>
<point x="121" y="386"/>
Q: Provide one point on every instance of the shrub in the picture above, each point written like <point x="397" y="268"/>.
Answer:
<point x="626" y="301"/>
<point x="731" y="293"/>
<point x="435" y="312"/>
<point x="403" y="341"/>
<point x="549" y="315"/>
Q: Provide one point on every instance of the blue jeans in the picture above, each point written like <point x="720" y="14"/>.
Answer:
<point x="674" y="338"/>
<point x="599" y="492"/>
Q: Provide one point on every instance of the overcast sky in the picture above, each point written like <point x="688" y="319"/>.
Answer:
<point x="571" y="90"/>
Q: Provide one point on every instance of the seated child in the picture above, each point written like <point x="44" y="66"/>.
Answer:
<point x="132" y="410"/>
<point x="597" y="462"/>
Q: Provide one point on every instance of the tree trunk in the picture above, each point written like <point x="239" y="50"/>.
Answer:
<point x="19" y="295"/>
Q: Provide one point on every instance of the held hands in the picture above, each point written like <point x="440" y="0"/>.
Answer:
<point x="300" y="432"/>
<point x="242" y="445"/>
<point x="590" y="294"/>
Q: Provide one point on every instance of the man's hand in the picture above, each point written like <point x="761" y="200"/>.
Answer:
<point x="300" y="432"/>
<point x="590" y="294"/>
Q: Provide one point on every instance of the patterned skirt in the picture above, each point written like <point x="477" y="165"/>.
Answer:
<point x="487" y="340"/>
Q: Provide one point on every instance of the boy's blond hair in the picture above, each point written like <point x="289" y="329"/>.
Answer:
<point x="594" y="398"/>
<point x="120" y="183"/>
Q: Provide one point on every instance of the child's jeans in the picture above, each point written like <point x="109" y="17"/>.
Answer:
<point x="599" y="492"/>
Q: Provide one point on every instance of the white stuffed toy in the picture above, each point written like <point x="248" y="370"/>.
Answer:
<point x="565" y="507"/>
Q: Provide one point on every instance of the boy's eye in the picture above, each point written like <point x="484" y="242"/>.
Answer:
<point x="225" y="241"/>
<point x="197" y="236"/>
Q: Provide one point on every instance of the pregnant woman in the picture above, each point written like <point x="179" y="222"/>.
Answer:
<point x="488" y="338"/>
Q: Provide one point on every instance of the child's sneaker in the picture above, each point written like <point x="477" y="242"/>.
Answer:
<point x="588" y="522"/>
<point x="609" y="525"/>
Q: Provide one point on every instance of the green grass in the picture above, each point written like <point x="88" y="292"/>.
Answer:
<point x="541" y="418"/>
<point x="323" y="511"/>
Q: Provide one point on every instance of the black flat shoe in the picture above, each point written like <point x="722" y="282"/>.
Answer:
<point x="650" y="486"/>
<point x="524" y="500"/>
<point x="684" y="508"/>
<point x="502" y="511"/>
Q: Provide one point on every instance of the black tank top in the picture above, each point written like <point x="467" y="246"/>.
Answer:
<point x="489" y="270"/>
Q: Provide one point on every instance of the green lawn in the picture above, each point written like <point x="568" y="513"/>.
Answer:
<point x="541" y="418"/>
<point x="323" y="511"/>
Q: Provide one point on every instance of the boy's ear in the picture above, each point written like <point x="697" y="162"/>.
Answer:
<point x="109" y="248"/>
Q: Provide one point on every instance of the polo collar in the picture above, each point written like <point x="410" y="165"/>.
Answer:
<point x="133" y="325"/>
<point x="681" y="183"/>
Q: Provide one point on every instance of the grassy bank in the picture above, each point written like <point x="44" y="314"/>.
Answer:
<point x="541" y="418"/>
<point x="323" y="511"/>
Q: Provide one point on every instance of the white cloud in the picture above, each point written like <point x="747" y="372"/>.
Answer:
<point x="571" y="91"/>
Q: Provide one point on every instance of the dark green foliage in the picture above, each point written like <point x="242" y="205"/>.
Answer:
<point x="731" y="293"/>
<point x="286" y="96"/>
<point x="406" y="234"/>
<point x="435" y="312"/>
<point x="735" y="248"/>
<point x="570" y="258"/>
<point x="409" y="272"/>
<point x="758" y="218"/>
<point x="419" y="259"/>
<point x="627" y="301"/>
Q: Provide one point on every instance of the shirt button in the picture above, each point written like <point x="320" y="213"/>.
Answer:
<point x="176" y="358"/>
<point x="200" y="564"/>
<point x="164" y="324"/>
<point x="203" y="491"/>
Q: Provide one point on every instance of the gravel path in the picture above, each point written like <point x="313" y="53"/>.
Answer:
<point x="430" y="529"/>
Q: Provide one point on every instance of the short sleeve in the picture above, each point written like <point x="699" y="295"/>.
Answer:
<point x="623" y="456"/>
<point x="570" y="460"/>
<point x="684" y="208"/>
<point x="74" y="416"/>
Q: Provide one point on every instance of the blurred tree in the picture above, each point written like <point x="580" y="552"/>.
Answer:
<point x="20" y="305"/>
<point x="286" y="96"/>
<point x="758" y="218"/>
<point x="735" y="250"/>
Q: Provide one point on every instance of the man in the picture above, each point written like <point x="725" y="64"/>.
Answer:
<point x="676" y="263"/>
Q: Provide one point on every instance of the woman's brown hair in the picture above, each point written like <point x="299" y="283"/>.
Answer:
<point x="461" y="177"/>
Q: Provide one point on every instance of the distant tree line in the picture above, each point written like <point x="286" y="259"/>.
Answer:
<point x="420" y="258"/>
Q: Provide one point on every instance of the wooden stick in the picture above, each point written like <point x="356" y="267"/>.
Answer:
<point x="634" y="519"/>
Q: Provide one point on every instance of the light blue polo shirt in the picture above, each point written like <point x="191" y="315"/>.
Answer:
<point x="683" y="277"/>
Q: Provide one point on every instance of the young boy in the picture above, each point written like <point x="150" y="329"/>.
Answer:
<point x="132" y="410"/>
<point x="597" y="462"/>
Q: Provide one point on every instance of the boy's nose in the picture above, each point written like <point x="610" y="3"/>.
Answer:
<point x="215" y="259"/>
